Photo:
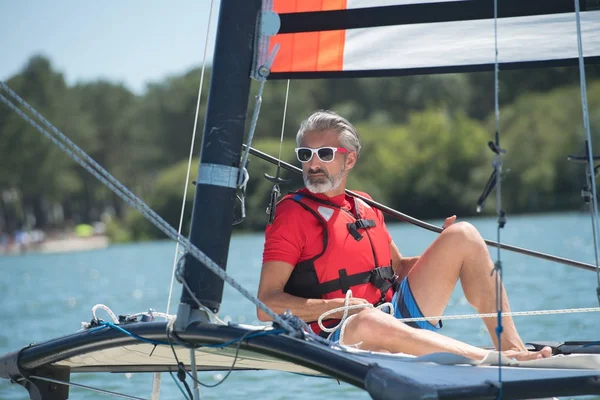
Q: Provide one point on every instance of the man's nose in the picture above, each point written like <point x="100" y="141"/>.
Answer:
<point x="314" y="162"/>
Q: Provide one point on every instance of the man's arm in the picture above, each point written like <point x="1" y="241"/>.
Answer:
<point x="273" y="278"/>
<point x="401" y="265"/>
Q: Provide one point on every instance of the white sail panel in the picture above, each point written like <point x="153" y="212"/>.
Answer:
<point x="522" y="39"/>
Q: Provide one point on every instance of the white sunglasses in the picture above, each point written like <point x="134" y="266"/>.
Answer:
<point x="325" y="154"/>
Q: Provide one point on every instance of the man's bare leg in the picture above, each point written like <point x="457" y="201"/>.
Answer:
<point x="374" y="330"/>
<point x="460" y="253"/>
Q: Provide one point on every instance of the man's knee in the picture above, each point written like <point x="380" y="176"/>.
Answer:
<point x="463" y="230"/>
<point x="372" y="324"/>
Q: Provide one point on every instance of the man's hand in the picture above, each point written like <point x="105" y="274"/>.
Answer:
<point x="352" y="301"/>
<point x="449" y="221"/>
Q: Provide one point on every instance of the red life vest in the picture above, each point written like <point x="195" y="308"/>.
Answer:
<point x="355" y="255"/>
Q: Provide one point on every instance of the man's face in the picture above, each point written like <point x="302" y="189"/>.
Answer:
<point x="320" y="176"/>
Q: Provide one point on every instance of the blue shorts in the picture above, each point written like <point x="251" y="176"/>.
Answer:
<point x="405" y="306"/>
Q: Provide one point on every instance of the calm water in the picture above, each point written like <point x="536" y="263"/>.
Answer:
<point x="45" y="296"/>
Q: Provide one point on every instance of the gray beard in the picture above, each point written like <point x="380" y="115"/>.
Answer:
<point x="323" y="184"/>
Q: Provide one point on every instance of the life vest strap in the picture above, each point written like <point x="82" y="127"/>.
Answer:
<point x="382" y="278"/>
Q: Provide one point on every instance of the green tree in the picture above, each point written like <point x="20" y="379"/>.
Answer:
<point x="539" y="132"/>
<point x="108" y="107"/>
<point x="31" y="165"/>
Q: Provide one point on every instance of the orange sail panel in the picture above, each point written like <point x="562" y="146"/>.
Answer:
<point x="309" y="51"/>
<point x="296" y="6"/>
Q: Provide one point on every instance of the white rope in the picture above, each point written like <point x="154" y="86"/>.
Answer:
<point x="113" y="316"/>
<point x="285" y="106"/>
<point x="107" y="309"/>
<point x="156" y="378"/>
<point x="390" y="307"/>
<point x="345" y="317"/>
<point x="504" y="314"/>
<point x="187" y="176"/>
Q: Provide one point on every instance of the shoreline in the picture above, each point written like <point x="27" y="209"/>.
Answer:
<point x="63" y="245"/>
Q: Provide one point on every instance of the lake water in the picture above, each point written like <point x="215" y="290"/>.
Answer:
<point x="45" y="296"/>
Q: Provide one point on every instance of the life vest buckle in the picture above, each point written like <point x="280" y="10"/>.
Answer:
<point x="359" y="224"/>
<point x="354" y="232"/>
<point x="383" y="278"/>
<point x="364" y="223"/>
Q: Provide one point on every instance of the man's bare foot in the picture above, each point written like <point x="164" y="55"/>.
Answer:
<point x="525" y="355"/>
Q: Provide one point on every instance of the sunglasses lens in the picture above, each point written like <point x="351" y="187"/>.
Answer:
<point x="304" y="155"/>
<point x="325" y="154"/>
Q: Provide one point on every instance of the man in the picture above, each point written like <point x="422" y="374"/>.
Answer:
<point x="323" y="242"/>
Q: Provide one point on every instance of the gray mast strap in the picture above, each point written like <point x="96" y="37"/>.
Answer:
<point x="218" y="175"/>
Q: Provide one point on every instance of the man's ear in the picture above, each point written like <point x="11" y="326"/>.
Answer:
<point x="351" y="159"/>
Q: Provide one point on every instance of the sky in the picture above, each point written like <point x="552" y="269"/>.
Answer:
<point x="129" y="41"/>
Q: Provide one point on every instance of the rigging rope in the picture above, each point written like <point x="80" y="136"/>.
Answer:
<point x="187" y="176"/>
<point x="185" y="395"/>
<point x="285" y="106"/>
<point x="501" y="217"/>
<point x="427" y="226"/>
<point x="202" y="307"/>
<point x="156" y="379"/>
<point x="243" y="177"/>
<point x="276" y="192"/>
<point x="346" y="308"/>
<point x="90" y="388"/>
<point x="263" y="73"/>
<point x="504" y="314"/>
<point x="586" y="125"/>
<point x="118" y="188"/>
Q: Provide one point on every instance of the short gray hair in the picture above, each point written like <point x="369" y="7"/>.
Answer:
<point x="323" y="120"/>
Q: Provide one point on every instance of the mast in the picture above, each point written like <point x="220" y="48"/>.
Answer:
<point x="220" y="153"/>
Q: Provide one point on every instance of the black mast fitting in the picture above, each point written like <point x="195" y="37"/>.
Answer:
<point x="586" y="190"/>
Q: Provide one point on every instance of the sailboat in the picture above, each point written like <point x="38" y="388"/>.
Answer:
<point x="316" y="39"/>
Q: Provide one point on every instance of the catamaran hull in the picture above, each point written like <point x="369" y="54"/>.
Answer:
<point x="384" y="376"/>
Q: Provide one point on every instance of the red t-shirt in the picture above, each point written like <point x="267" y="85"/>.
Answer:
<point x="296" y="235"/>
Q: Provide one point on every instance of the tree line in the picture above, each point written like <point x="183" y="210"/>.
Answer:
<point x="424" y="144"/>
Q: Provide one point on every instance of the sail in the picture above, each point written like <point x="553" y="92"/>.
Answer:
<point x="357" y="38"/>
